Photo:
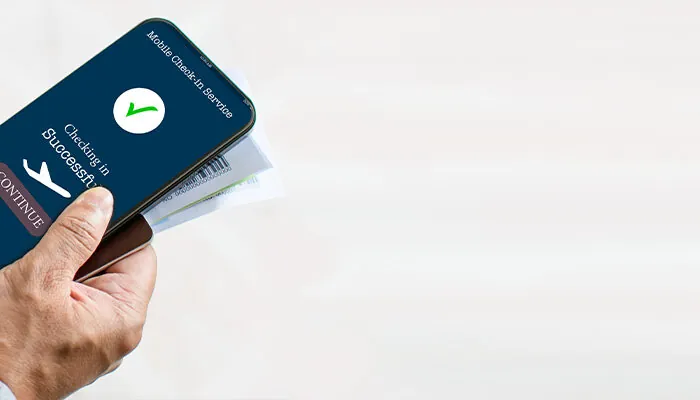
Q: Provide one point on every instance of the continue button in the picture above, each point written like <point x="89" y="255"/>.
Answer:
<point x="22" y="204"/>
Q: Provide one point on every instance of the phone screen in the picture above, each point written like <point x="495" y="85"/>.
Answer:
<point x="136" y="119"/>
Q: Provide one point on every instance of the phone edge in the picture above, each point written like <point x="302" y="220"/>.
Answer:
<point x="207" y="157"/>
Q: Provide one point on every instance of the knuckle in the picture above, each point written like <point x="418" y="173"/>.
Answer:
<point x="131" y="339"/>
<point x="22" y="288"/>
<point x="92" y="342"/>
<point x="115" y="365"/>
<point x="85" y="344"/>
<point x="31" y="296"/>
<point x="80" y="232"/>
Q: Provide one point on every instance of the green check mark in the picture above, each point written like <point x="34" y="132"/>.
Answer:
<point x="140" y="110"/>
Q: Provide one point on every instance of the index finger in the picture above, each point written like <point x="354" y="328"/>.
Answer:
<point x="135" y="275"/>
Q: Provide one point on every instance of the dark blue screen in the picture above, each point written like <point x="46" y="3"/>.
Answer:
<point x="89" y="130"/>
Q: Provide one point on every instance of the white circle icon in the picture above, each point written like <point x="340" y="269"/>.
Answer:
<point x="139" y="110"/>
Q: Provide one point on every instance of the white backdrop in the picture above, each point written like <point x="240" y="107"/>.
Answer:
<point x="486" y="200"/>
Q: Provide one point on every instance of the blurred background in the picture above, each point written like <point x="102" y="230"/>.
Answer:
<point x="485" y="200"/>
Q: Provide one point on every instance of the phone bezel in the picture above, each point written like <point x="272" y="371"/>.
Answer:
<point x="182" y="176"/>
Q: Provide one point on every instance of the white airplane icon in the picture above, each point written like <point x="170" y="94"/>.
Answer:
<point x="44" y="178"/>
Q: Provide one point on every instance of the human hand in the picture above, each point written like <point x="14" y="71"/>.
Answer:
<point x="57" y="335"/>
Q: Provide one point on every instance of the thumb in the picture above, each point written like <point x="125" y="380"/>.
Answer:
<point x="72" y="239"/>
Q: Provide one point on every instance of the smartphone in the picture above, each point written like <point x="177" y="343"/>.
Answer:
<point x="137" y="118"/>
<point x="131" y="237"/>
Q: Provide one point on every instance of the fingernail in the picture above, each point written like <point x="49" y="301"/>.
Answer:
<point x="99" y="198"/>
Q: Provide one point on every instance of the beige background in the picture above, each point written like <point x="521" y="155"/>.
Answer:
<point x="486" y="200"/>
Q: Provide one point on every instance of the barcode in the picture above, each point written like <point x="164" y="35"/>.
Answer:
<point x="217" y="166"/>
